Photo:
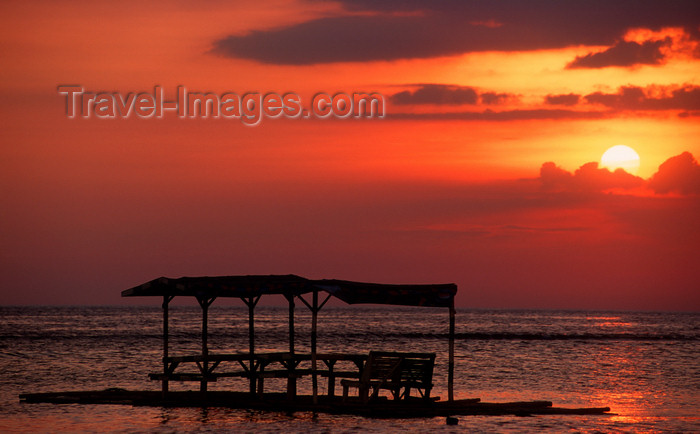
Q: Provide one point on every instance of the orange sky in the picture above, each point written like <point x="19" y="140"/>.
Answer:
<point x="446" y="188"/>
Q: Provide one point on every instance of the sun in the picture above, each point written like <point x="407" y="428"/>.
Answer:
<point x="620" y="157"/>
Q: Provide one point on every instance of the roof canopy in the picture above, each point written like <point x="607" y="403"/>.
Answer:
<point x="255" y="285"/>
<point x="222" y="286"/>
<point x="377" y="293"/>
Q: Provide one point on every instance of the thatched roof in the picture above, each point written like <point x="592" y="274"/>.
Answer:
<point x="440" y="295"/>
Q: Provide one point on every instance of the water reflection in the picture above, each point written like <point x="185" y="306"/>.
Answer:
<point x="644" y="366"/>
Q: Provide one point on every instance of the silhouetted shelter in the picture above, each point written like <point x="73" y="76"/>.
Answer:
<point x="394" y="371"/>
<point x="250" y="288"/>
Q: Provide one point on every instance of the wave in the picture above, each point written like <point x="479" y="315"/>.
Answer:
<point x="481" y="336"/>
<point x="528" y="336"/>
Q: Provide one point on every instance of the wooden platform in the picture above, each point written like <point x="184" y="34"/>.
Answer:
<point x="379" y="408"/>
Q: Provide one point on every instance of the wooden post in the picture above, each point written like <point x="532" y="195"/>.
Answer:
<point x="451" y="365"/>
<point x="291" y="380"/>
<point x="251" y="302"/>
<point x="205" y="303"/>
<point x="314" y="323"/>
<point x="315" y="308"/>
<point x="251" y="342"/>
<point x="164" y="384"/>
<point x="290" y="299"/>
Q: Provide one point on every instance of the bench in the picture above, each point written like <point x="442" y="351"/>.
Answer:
<point x="206" y="368"/>
<point x="394" y="371"/>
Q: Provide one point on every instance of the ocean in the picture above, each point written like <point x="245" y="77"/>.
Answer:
<point x="645" y="366"/>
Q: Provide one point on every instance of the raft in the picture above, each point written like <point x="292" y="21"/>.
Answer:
<point x="279" y="402"/>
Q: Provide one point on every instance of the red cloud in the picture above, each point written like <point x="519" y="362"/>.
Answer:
<point x="563" y="99"/>
<point x="686" y="97"/>
<point x="437" y="94"/>
<point x="588" y="178"/>
<point x="680" y="174"/>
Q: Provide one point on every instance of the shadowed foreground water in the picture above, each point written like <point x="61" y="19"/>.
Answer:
<point x="642" y="365"/>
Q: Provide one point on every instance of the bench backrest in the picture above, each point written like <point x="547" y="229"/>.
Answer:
<point x="418" y="369"/>
<point x="393" y="367"/>
<point x="381" y="366"/>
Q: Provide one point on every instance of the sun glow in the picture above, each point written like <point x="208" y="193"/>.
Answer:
<point x="621" y="157"/>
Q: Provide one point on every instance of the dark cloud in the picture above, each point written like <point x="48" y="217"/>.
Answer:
<point x="623" y="53"/>
<point x="495" y="98"/>
<point x="437" y="94"/>
<point x="554" y="177"/>
<point x="685" y="98"/>
<point x="565" y="99"/>
<point x="587" y="178"/>
<point x="504" y="115"/>
<point x="679" y="174"/>
<point x="627" y="97"/>
<point x="390" y="30"/>
<point x="591" y="177"/>
<point x="636" y="98"/>
<point x="446" y="94"/>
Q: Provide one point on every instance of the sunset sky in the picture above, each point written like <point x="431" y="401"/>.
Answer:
<point x="485" y="171"/>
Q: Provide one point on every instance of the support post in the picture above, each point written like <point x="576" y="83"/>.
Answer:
<point x="290" y="299"/>
<point x="314" y="323"/>
<point x="164" y="384"/>
<point x="205" y="303"/>
<point x="291" y="380"/>
<point x="251" y="343"/>
<point x="251" y="302"/>
<point x="314" y="307"/>
<point x="451" y="363"/>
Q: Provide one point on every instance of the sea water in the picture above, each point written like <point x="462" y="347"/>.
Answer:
<point x="644" y="366"/>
